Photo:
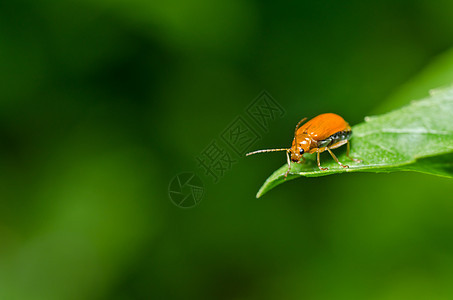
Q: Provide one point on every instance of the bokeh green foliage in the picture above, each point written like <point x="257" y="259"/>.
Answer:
<point x="103" y="102"/>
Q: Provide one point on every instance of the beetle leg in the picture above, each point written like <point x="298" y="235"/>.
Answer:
<point x="347" y="154"/>
<point x="319" y="163"/>
<point x="301" y="161"/>
<point x="336" y="159"/>
<point x="289" y="164"/>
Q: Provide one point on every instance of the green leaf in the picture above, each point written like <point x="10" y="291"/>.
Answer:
<point x="417" y="137"/>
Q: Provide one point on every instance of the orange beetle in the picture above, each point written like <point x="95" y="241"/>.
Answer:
<point x="322" y="133"/>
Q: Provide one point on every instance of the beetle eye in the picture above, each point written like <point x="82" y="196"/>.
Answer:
<point x="301" y="151"/>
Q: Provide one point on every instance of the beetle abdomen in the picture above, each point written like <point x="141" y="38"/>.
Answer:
<point x="335" y="138"/>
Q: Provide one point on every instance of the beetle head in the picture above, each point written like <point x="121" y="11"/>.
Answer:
<point x="300" y="146"/>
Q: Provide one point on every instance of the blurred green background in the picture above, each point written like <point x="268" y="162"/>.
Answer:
<point x="103" y="102"/>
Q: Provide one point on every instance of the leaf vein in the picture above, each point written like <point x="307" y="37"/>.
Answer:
<point x="405" y="131"/>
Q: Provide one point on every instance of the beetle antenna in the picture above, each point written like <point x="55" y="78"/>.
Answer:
<point x="297" y="127"/>
<point x="267" y="150"/>
<point x="298" y="124"/>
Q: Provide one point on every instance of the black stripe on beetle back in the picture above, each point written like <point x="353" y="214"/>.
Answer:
<point x="335" y="138"/>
